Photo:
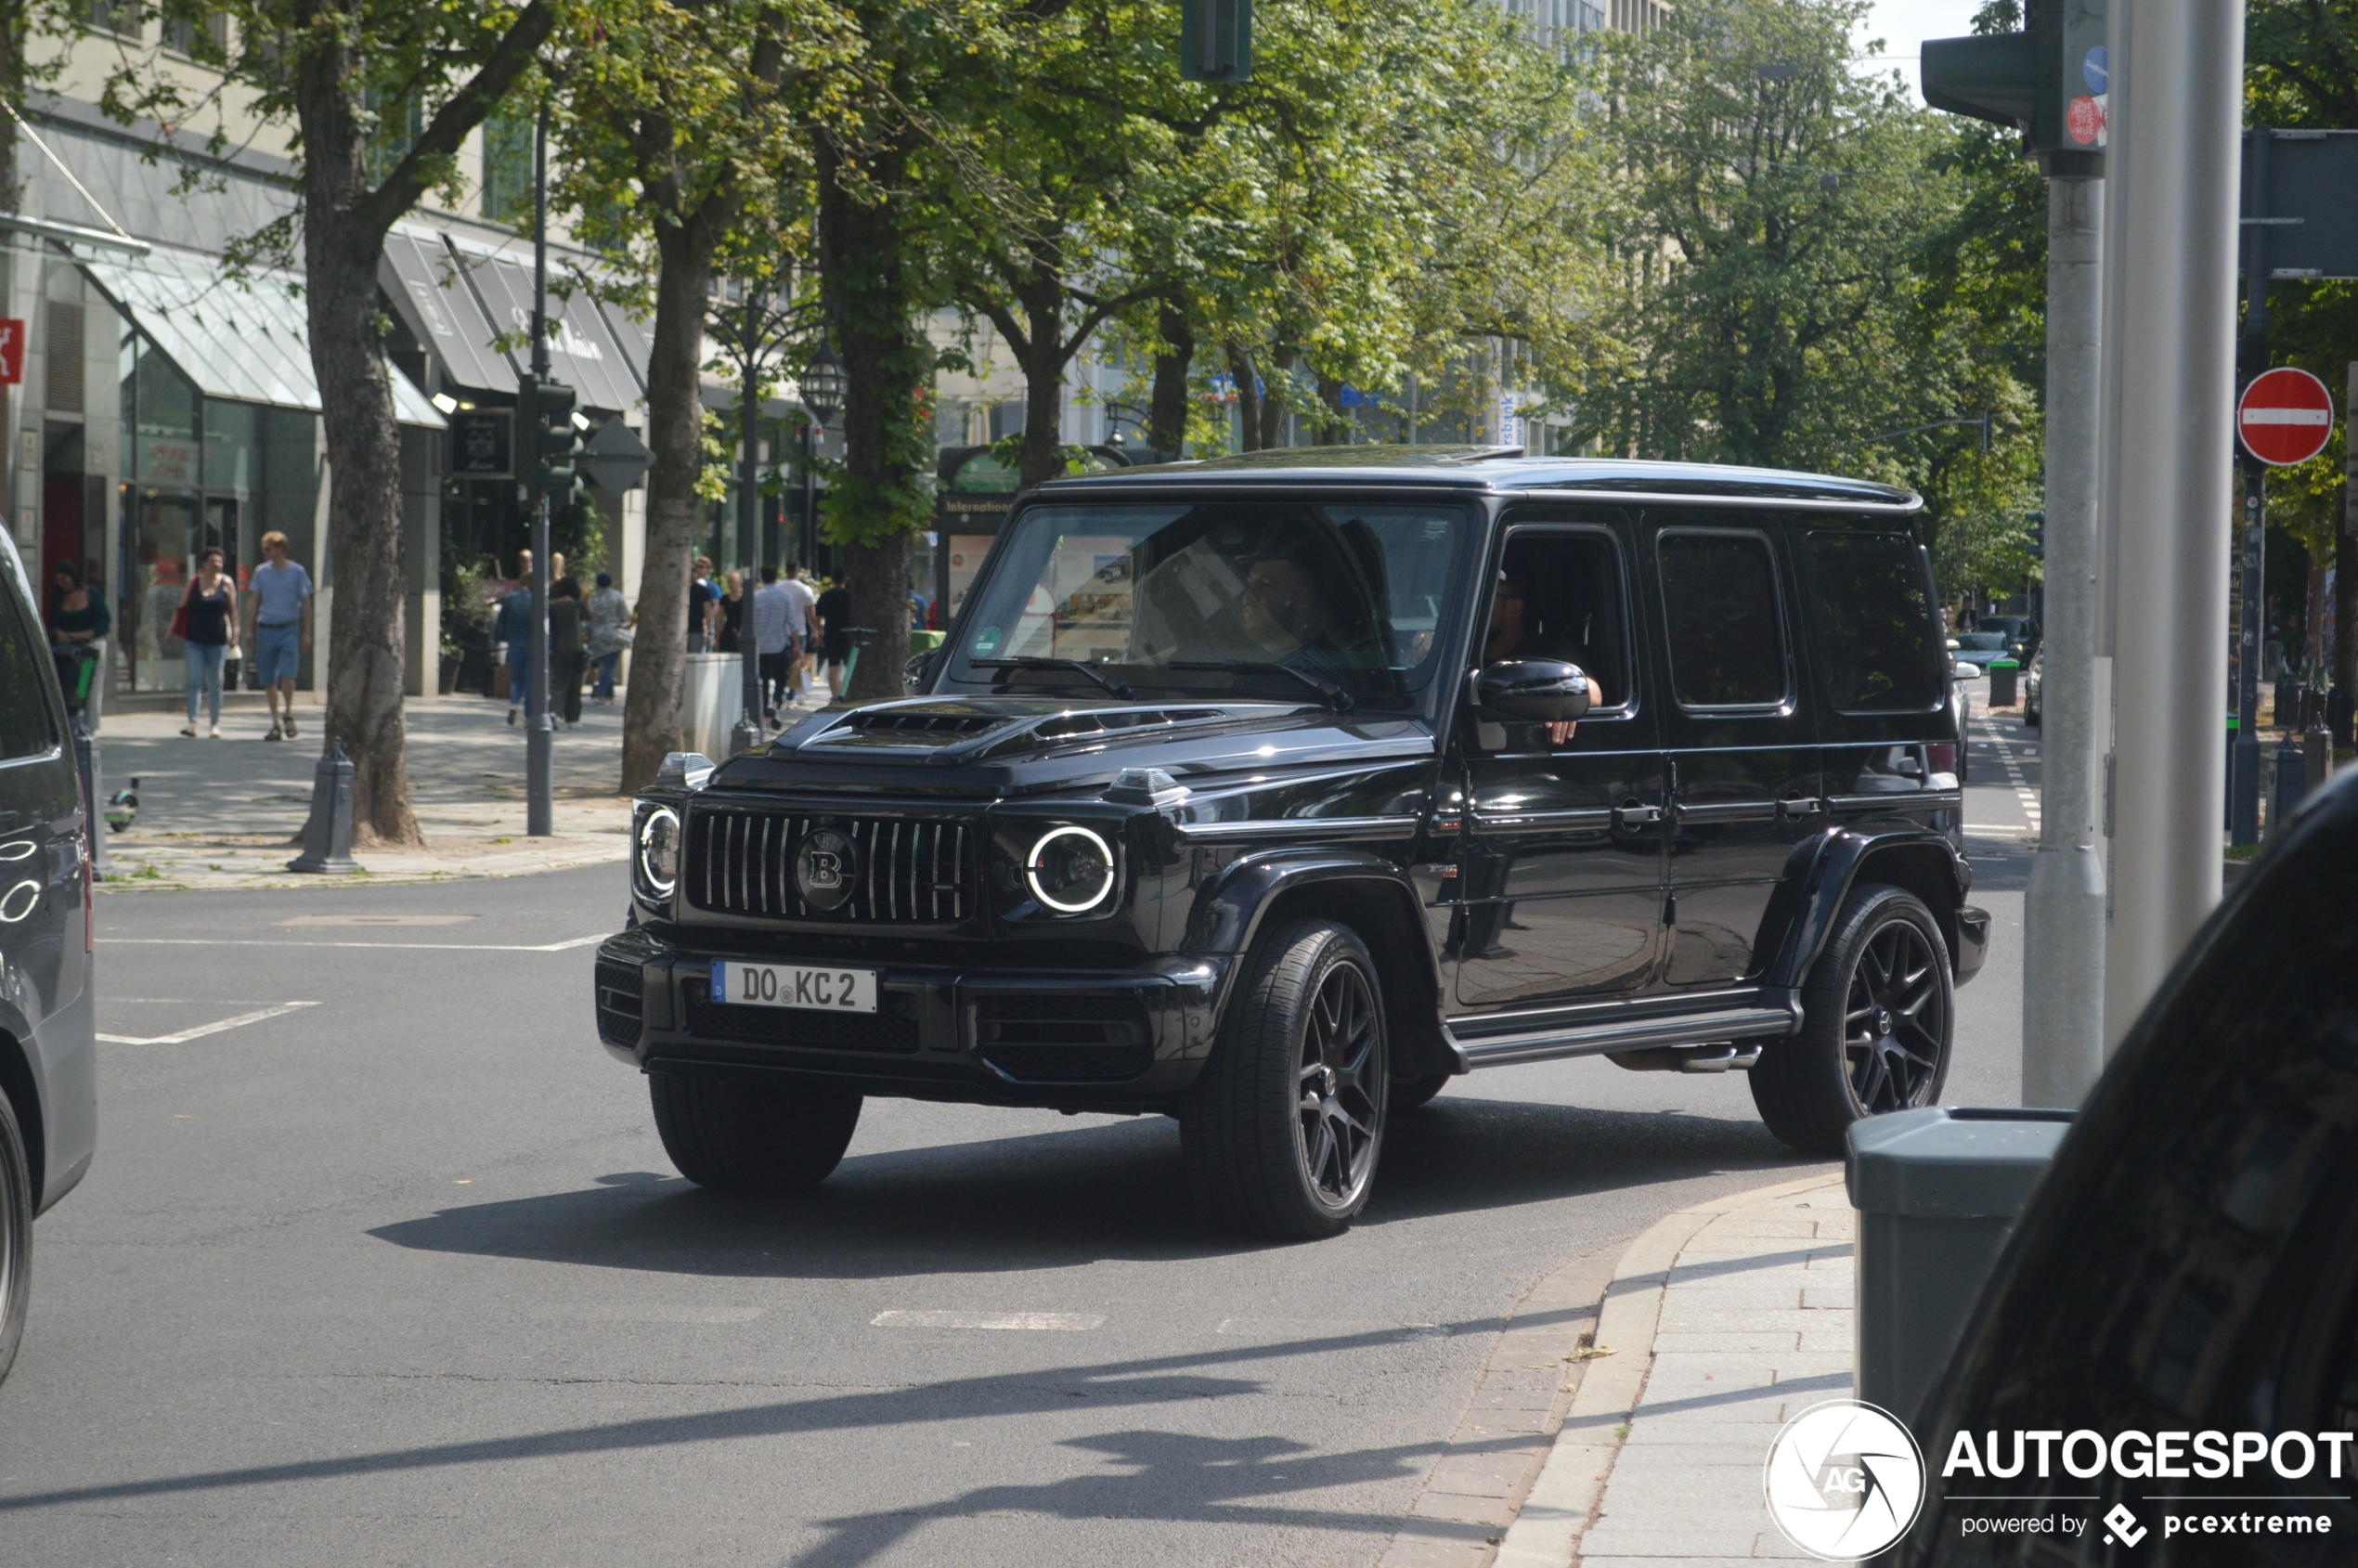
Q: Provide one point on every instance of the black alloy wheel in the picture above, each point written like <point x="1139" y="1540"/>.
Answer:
<point x="1877" y="1026"/>
<point x="17" y="1205"/>
<point x="1281" y="1132"/>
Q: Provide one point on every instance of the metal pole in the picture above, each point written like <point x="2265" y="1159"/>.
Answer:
<point x="2243" y="776"/>
<point x="809" y="494"/>
<point x="748" y="530"/>
<point x="2170" y="383"/>
<point x="2063" y="950"/>
<point x="539" y="731"/>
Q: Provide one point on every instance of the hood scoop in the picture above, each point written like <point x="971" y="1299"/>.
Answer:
<point x="956" y="732"/>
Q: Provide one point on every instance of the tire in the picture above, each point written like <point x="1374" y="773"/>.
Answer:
<point x="1281" y="1134"/>
<point x="1412" y="1093"/>
<point x="15" y="1235"/>
<point x="1878" y="1026"/>
<point x="744" y="1137"/>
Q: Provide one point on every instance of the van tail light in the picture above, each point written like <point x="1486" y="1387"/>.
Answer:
<point x="1943" y="756"/>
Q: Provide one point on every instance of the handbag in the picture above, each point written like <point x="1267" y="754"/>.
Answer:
<point x="179" y="628"/>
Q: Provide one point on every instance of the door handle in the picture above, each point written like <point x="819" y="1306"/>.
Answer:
<point x="1636" y="815"/>
<point x="1799" y="806"/>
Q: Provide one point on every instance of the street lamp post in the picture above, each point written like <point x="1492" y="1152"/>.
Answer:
<point x="540" y="737"/>
<point x="822" y="388"/>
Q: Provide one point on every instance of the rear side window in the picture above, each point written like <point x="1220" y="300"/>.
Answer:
<point x="26" y="729"/>
<point x="1874" y="614"/>
<point x="1727" y="638"/>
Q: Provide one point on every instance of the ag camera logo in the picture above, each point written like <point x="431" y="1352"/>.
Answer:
<point x="1843" y="1479"/>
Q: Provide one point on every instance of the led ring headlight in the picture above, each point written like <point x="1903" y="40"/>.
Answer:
<point x="659" y="850"/>
<point x="1070" y="870"/>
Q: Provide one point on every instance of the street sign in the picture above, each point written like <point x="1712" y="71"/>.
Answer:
<point x="2300" y="202"/>
<point x="2285" y="416"/>
<point x="11" y="352"/>
<point x="481" y="444"/>
<point x="615" y="460"/>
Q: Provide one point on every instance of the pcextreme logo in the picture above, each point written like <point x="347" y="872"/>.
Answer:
<point x="1843" y="1479"/>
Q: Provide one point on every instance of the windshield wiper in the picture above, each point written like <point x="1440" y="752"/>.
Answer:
<point x="1338" y="696"/>
<point x="1111" y="684"/>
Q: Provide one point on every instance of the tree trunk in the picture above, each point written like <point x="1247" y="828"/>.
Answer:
<point x="1273" y="400"/>
<point x="1333" y="424"/>
<point x="675" y="433"/>
<point x="1043" y="302"/>
<point x="1167" y="408"/>
<point x="1248" y="399"/>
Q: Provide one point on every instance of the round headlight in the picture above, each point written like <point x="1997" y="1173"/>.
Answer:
<point x="659" y="850"/>
<point x="1070" y="870"/>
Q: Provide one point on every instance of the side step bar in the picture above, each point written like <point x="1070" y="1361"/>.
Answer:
<point x="1758" y="1021"/>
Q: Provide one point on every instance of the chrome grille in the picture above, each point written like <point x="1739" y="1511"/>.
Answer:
<point x="912" y="870"/>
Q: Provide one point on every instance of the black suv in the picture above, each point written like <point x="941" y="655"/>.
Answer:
<point x="48" y="1054"/>
<point x="1271" y="792"/>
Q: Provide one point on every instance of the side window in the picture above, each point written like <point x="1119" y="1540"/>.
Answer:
<point x="1727" y="637"/>
<point x="1558" y="596"/>
<point x="1873" y="613"/>
<point x="26" y="727"/>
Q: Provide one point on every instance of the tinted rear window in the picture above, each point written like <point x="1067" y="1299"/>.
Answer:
<point x="1873" y="610"/>
<point x="1727" y="639"/>
<point x="25" y="725"/>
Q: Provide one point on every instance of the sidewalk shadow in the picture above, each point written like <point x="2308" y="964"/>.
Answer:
<point x="1056" y="1199"/>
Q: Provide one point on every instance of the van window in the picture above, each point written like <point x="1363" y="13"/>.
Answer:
<point x="26" y="728"/>
<point x="1559" y="596"/>
<point x="1727" y="639"/>
<point x="1873" y="609"/>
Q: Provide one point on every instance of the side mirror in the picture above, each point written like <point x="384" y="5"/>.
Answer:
<point x="1536" y="690"/>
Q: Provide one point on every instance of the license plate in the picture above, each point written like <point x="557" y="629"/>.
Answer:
<point x="794" y="985"/>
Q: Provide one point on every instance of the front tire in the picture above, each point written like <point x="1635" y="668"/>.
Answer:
<point x="15" y="1235"/>
<point x="1280" y="1134"/>
<point x="751" y="1138"/>
<point x="1410" y="1094"/>
<point x="1877" y="1026"/>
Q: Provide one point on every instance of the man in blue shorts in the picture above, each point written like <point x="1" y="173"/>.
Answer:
<point x="280" y="594"/>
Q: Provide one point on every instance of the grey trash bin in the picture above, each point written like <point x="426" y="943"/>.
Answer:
<point x="2002" y="675"/>
<point x="1936" y="1192"/>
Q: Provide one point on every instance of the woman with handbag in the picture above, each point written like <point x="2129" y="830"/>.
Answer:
<point x="203" y="623"/>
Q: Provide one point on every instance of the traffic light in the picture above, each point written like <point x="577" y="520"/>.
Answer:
<point x="546" y="408"/>
<point x="2051" y="80"/>
<point x="1215" y="40"/>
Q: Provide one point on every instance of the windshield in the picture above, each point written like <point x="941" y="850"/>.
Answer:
<point x="1226" y="597"/>
<point x="1981" y="640"/>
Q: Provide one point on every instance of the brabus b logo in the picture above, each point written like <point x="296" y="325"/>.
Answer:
<point x="826" y="868"/>
<point x="1843" y="1479"/>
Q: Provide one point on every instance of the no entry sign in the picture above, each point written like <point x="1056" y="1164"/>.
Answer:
<point x="2285" y="416"/>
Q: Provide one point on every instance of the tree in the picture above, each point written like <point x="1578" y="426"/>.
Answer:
<point x="341" y="73"/>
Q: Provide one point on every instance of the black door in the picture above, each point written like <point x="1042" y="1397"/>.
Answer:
<point x="1885" y="744"/>
<point x="1742" y="752"/>
<point x="1560" y="860"/>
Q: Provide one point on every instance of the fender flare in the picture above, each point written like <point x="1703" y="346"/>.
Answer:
<point x="1229" y="909"/>
<point x="1823" y="873"/>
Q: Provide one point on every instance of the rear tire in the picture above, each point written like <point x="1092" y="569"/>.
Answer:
<point x="745" y="1138"/>
<point x="1281" y="1132"/>
<point x="15" y="1235"/>
<point x="1877" y="1026"/>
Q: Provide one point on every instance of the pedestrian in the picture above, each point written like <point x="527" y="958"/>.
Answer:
<point x="280" y="605"/>
<point x="208" y="620"/>
<point x="834" y="620"/>
<point x="610" y="621"/>
<point x="701" y="614"/>
<point x="729" y="637"/>
<point x="78" y="625"/>
<point x="773" y="611"/>
<point x="802" y="624"/>
<point x="513" y="626"/>
<point x="566" y="650"/>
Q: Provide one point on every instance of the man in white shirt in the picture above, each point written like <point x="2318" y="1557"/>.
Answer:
<point x="773" y="610"/>
<point x="803" y="625"/>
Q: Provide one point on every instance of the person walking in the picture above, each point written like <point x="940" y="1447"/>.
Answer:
<point x="566" y="650"/>
<point x="835" y="621"/>
<point x="610" y="620"/>
<point x="78" y="628"/>
<point x="733" y="614"/>
<point x="802" y="624"/>
<point x="701" y="614"/>
<point x="208" y="617"/>
<point x="512" y="625"/>
<point x="281" y="599"/>
<point x="773" y="609"/>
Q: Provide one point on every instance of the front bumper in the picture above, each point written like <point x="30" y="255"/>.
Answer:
<point x="1119" y="1039"/>
<point x="1973" y="941"/>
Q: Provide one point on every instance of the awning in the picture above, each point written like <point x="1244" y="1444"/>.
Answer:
<point x="440" y="311"/>
<point x="584" y="351"/>
<point x="247" y="340"/>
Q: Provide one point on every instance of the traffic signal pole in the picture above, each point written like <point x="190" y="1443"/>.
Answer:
<point x="2251" y="632"/>
<point x="539" y="735"/>
<point x="2063" y="954"/>
<point x="2168" y="351"/>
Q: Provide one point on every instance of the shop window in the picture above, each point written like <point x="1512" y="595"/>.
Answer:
<point x="200" y="34"/>
<point x="121" y="18"/>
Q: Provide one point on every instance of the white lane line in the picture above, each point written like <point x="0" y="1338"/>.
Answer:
<point x="202" y="1030"/>
<point x="422" y="947"/>
<point x="2015" y="775"/>
<point x="1070" y="1321"/>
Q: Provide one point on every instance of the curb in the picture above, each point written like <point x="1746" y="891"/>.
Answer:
<point x="1563" y="1500"/>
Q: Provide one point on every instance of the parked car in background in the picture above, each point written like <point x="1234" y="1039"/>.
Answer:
<point x="2188" y="1267"/>
<point x="2031" y="677"/>
<point x="1979" y="650"/>
<point x="2021" y="633"/>
<point x="48" y="1054"/>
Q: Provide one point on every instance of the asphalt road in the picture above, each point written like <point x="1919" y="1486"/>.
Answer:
<point x="402" y="1277"/>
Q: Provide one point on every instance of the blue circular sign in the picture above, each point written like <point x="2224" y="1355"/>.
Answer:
<point x="2097" y="68"/>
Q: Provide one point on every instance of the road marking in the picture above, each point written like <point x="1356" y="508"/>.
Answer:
<point x="422" y="947"/>
<point x="1068" y="1321"/>
<point x="2023" y="792"/>
<point x="378" y="920"/>
<point x="202" y="1030"/>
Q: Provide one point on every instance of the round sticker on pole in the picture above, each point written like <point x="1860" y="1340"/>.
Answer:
<point x="2285" y="416"/>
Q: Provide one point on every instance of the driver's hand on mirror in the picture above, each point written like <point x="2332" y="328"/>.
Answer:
<point x="1561" y="732"/>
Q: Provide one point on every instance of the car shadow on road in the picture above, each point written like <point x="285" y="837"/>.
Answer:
<point x="1046" y="1200"/>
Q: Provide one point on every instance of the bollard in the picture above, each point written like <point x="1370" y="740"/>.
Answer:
<point x="2317" y="748"/>
<point x="2293" y="782"/>
<point x="327" y="837"/>
<point x="85" y="762"/>
<point x="746" y="734"/>
<point x="2002" y="674"/>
